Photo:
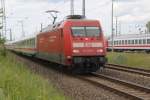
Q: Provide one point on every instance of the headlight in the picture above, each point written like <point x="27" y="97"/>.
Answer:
<point x="100" y="50"/>
<point x="75" y="51"/>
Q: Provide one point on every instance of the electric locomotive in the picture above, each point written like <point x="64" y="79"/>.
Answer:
<point x="76" y="43"/>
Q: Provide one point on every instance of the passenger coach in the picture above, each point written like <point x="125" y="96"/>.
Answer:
<point x="130" y="42"/>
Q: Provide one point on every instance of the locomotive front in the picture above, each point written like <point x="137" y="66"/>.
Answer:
<point x="87" y="45"/>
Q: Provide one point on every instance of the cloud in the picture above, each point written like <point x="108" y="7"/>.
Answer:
<point x="39" y="0"/>
<point x="128" y="11"/>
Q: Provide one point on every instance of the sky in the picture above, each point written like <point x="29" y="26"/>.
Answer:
<point x="131" y="14"/>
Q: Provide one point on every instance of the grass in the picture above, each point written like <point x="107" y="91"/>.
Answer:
<point x="140" y="60"/>
<point x="18" y="83"/>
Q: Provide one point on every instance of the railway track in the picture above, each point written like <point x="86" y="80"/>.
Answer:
<point x="129" y="69"/>
<point x="120" y="87"/>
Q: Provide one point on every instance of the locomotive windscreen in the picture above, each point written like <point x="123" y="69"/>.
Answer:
<point x="86" y="31"/>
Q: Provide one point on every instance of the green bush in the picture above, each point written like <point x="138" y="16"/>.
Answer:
<point x="141" y="60"/>
<point x="2" y="47"/>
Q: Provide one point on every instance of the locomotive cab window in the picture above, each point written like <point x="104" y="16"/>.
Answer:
<point x="86" y="31"/>
<point x="78" y="31"/>
<point x="92" y="31"/>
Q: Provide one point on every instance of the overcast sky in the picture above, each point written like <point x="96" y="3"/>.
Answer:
<point x="130" y="13"/>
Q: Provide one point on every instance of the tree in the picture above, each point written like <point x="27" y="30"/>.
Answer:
<point x="2" y="47"/>
<point x="2" y="41"/>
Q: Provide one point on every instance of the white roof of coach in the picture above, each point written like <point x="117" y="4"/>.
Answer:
<point x="133" y="36"/>
<point x="22" y="39"/>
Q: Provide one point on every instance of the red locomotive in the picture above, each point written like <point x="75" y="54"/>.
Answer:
<point x="76" y="43"/>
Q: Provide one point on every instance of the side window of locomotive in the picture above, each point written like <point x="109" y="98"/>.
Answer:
<point x="92" y="31"/>
<point x="78" y="31"/>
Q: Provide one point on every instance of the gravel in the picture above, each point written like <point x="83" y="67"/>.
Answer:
<point x="138" y="79"/>
<point x="72" y="87"/>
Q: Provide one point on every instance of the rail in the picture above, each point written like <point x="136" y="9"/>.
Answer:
<point x="128" y="69"/>
<point x="120" y="87"/>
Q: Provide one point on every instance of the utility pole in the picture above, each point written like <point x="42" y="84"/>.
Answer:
<point x="10" y="34"/>
<point x="120" y="27"/>
<point x="22" y="27"/>
<point x="83" y="9"/>
<point x="72" y="7"/>
<point x="116" y="25"/>
<point x="41" y="27"/>
<point x="112" y="25"/>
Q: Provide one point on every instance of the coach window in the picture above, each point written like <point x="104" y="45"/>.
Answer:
<point x="122" y="42"/>
<point x="136" y="41"/>
<point x="114" y="42"/>
<point x="144" y="41"/>
<point x="140" y="41"/>
<point x="132" y="41"/>
<point x="34" y="42"/>
<point x="148" y="41"/>
<point x="28" y="43"/>
<point x="31" y="42"/>
<point x="117" y="42"/>
<point x="126" y="41"/>
<point x="25" y="42"/>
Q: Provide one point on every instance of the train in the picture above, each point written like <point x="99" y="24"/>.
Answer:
<point x="76" y="43"/>
<point x="129" y="42"/>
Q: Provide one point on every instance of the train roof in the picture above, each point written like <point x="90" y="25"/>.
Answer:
<point x="128" y="36"/>
<point x="60" y="24"/>
<point x="22" y="39"/>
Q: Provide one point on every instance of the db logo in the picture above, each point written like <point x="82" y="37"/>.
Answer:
<point x="87" y="45"/>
